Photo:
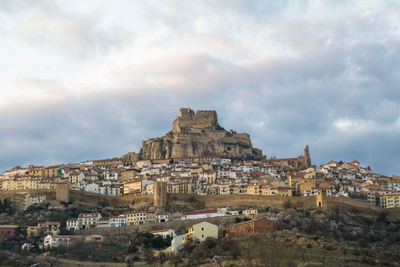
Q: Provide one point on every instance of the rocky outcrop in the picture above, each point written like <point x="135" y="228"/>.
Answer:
<point x="198" y="134"/>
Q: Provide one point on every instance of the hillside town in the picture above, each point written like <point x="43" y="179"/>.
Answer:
<point x="207" y="176"/>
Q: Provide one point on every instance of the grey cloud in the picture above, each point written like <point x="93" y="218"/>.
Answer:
<point x="283" y="102"/>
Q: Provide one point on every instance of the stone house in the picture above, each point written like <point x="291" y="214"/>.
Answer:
<point x="6" y="230"/>
<point x="256" y="226"/>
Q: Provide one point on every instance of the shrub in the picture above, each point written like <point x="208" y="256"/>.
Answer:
<point x="287" y="204"/>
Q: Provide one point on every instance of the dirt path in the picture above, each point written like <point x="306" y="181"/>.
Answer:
<point x="69" y="263"/>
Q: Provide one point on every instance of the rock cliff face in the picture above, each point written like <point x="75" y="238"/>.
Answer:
<point x="198" y="134"/>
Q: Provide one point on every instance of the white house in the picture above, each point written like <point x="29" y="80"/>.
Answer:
<point x="117" y="221"/>
<point x="88" y="219"/>
<point x="162" y="217"/>
<point x="311" y="192"/>
<point x="73" y="224"/>
<point x="202" y="214"/>
<point x="110" y="175"/>
<point x="164" y="233"/>
<point x="227" y="212"/>
<point x="56" y="241"/>
<point x="65" y="240"/>
<point x="112" y="189"/>
<point x="149" y="189"/>
<point x="92" y="187"/>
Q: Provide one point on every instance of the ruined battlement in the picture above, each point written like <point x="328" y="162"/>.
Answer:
<point x="190" y="120"/>
<point x="186" y="113"/>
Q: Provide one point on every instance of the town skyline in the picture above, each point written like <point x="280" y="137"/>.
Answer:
<point x="315" y="162"/>
<point x="91" y="81"/>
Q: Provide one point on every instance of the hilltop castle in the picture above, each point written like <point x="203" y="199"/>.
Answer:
<point x="198" y="134"/>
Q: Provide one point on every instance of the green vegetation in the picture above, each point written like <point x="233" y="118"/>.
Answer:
<point x="281" y="249"/>
<point x="304" y="237"/>
<point x="131" y="247"/>
<point x="5" y="206"/>
<point x="148" y="240"/>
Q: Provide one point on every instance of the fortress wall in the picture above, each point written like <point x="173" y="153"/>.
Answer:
<point x="93" y="200"/>
<point x="202" y="118"/>
<point x="276" y="202"/>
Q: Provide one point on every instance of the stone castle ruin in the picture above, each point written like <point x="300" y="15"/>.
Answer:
<point x="301" y="162"/>
<point x="198" y="134"/>
<point x="160" y="194"/>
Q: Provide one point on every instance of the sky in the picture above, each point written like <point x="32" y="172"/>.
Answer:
<point x="84" y="80"/>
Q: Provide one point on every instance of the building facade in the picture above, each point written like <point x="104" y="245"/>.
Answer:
<point x="257" y="226"/>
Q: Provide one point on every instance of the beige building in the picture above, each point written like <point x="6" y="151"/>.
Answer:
<point x="36" y="170"/>
<point x="130" y="158"/>
<point x="284" y="191"/>
<point x="179" y="188"/>
<point x="133" y="187"/>
<point x="305" y="185"/>
<point x="386" y="201"/>
<point x="52" y="171"/>
<point x="128" y="174"/>
<point x="26" y="182"/>
<point x="200" y="231"/>
<point x="254" y="189"/>
<point x="140" y="217"/>
<point x="43" y="229"/>
<point x="34" y="231"/>
<point x="210" y="176"/>
<point x="22" y="200"/>
<point x="250" y="213"/>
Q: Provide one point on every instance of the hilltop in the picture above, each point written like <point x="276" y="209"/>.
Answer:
<point x="198" y="134"/>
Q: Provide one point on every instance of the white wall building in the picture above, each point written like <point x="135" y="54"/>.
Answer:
<point x="117" y="221"/>
<point x="88" y="219"/>
<point x="202" y="214"/>
<point x="72" y="224"/>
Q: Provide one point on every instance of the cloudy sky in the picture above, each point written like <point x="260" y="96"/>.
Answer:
<point x="82" y="80"/>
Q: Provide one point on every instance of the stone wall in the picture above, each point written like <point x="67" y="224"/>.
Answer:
<point x="160" y="194"/>
<point x="62" y="192"/>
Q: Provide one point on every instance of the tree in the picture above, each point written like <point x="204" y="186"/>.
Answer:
<point x="162" y="257"/>
<point x="287" y="204"/>
<point x="148" y="255"/>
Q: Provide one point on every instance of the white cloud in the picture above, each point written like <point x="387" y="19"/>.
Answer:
<point x="354" y="127"/>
